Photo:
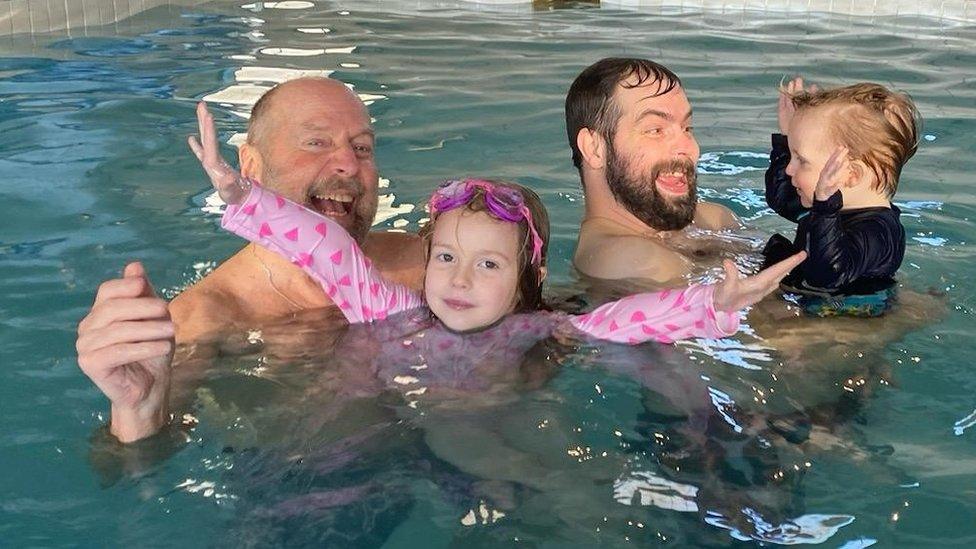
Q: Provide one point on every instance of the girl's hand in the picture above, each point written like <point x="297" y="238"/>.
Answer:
<point x="786" y="109"/>
<point x="735" y="293"/>
<point x="834" y="174"/>
<point x="230" y="186"/>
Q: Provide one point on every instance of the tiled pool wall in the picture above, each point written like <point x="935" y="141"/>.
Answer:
<point x="42" y="16"/>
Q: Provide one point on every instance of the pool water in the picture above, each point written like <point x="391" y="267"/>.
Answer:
<point x="860" y="431"/>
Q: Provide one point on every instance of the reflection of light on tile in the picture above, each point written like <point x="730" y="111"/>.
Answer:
<point x="384" y="183"/>
<point x="287" y="5"/>
<point x="237" y="139"/>
<point x="314" y="30"/>
<point x="350" y="65"/>
<point x="350" y="49"/>
<point x="242" y="57"/>
<point x="292" y="52"/>
<point x="369" y="97"/>
<point x="649" y="489"/>
<point x="238" y="94"/>
<point x="386" y="210"/>
<point x="272" y="74"/>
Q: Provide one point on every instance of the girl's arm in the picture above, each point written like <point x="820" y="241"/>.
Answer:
<point x="697" y="311"/>
<point x="665" y="317"/>
<point x="324" y="250"/>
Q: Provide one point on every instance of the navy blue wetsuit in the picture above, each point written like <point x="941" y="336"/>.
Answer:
<point x="850" y="252"/>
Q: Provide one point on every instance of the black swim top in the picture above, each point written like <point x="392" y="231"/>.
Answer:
<point x="850" y="252"/>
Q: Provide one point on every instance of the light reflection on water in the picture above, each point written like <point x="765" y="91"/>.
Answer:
<point x="790" y="420"/>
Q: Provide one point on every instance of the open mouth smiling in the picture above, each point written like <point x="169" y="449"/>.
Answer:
<point x="334" y="204"/>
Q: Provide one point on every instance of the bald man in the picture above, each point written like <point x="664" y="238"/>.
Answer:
<point x="309" y="140"/>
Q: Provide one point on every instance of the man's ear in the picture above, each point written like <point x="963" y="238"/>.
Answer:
<point x="593" y="148"/>
<point x="252" y="164"/>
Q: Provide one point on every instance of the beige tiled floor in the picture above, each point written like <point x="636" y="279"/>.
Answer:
<point x="40" y="16"/>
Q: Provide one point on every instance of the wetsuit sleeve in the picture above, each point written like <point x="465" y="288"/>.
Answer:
<point x="324" y="250"/>
<point x="781" y="196"/>
<point x="839" y="254"/>
<point x="664" y="316"/>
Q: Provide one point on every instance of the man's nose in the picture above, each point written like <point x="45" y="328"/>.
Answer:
<point x="791" y="168"/>
<point x="686" y="146"/>
<point x="344" y="161"/>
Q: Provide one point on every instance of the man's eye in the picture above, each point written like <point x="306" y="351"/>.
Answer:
<point x="653" y="131"/>
<point x="364" y="150"/>
<point x="445" y="257"/>
<point x="315" y="142"/>
<point x="690" y="129"/>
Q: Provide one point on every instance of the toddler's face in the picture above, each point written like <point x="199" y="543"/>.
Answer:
<point x="810" y="147"/>
<point x="472" y="272"/>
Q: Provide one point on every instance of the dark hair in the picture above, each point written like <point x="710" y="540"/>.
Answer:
<point x="529" y="277"/>
<point x="589" y="103"/>
<point x="878" y="126"/>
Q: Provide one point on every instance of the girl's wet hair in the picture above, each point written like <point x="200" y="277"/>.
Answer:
<point x="529" y="297"/>
<point x="880" y="127"/>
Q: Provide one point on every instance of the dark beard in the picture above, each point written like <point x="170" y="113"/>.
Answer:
<point x="643" y="199"/>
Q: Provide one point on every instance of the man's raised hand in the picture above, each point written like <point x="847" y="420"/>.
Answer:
<point x="125" y="345"/>
<point x="230" y="186"/>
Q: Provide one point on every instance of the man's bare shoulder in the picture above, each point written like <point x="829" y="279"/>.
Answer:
<point x="715" y="217"/>
<point x="202" y="309"/>
<point x="399" y="256"/>
<point x="614" y="257"/>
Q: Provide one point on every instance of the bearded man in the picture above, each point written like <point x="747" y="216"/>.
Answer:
<point x="629" y="125"/>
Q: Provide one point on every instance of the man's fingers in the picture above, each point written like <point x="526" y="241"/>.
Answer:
<point x="134" y="269"/>
<point x="98" y="364"/>
<point x="114" y="310"/>
<point x="121" y="288"/>
<point x="124" y="332"/>
<point x="208" y="133"/>
<point x="195" y="147"/>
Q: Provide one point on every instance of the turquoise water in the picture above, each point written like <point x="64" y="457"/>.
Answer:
<point x="869" y="419"/>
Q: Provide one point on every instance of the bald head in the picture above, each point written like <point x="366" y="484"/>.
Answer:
<point x="274" y="104"/>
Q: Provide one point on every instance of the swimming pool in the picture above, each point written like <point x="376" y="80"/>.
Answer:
<point x="95" y="172"/>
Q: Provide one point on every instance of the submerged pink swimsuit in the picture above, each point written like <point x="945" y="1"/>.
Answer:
<point x="324" y="250"/>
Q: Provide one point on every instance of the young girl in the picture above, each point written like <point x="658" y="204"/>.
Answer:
<point x="487" y="243"/>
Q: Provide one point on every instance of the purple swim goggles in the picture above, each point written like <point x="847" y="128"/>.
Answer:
<point x="503" y="203"/>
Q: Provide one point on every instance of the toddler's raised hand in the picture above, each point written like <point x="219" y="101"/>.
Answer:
<point x="227" y="181"/>
<point x="786" y="109"/>
<point x="833" y="175"/>
<point x="735" y="293"/>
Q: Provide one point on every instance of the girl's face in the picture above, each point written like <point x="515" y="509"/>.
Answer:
<point x="810" y="148"/>
<point x="472" y="272"/>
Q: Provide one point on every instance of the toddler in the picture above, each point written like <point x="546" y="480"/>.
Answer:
<point x="833" y="171"/>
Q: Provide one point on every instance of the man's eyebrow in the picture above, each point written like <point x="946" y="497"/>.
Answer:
<point x="313" y="127"/>
<point x="661" y="114"/>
